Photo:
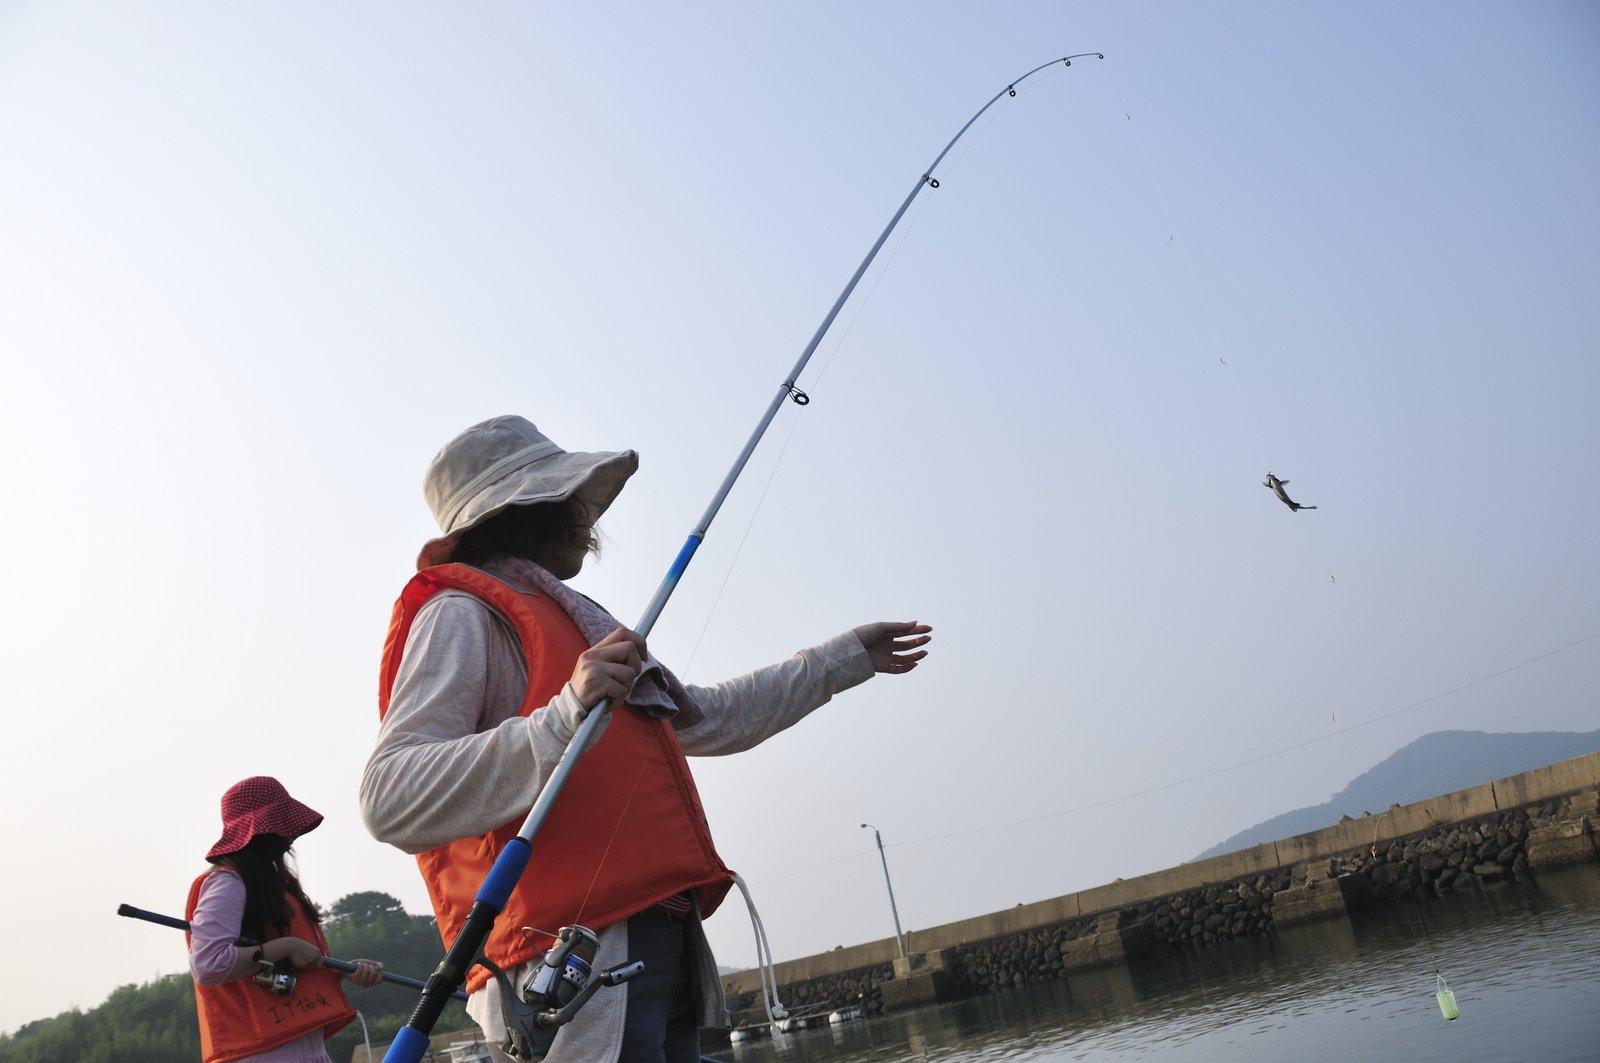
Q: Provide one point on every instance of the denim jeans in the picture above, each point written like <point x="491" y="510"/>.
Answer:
<point x="662" y="1023"/>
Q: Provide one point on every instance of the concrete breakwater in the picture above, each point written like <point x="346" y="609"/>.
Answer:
<point x="1511" y="827"/>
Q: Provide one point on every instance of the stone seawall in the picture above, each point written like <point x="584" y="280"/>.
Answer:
<point x="1507" y="828"/>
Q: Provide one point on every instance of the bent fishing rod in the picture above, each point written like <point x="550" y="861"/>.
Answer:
<point x="412" y="1042"/>
<point x="276" y="982"/>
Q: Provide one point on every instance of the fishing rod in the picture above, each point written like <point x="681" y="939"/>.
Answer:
<point x="280" y="981"/>
<point x="412" y="1042"/>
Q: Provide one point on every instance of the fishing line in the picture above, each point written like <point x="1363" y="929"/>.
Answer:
<point x="1215" y="771"/>
<point x="911" y="226"/>
<point x="794" y="423"/>
<point x="1268" y="756"/>
<point x="1314" y="563"/>
<point x="795" y="418"/>
<point x="1194" y="276"/>
<point x="739" y="550"/>
<point x="644" y="762"/>
<point x="510" y="863"/>
<point x="1036" y="82"/>
<point x="974" y="141"/>
<point x="815" y="867"/>
<point x="1411" y="889"/>
<point x="1441" y="989"/>
<point x="827" y="362"/>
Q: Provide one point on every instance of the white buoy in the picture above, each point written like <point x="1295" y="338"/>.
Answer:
<point x="844" y="1015"/>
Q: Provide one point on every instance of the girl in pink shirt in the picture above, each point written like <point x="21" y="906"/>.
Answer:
<point x="253" y="894"/>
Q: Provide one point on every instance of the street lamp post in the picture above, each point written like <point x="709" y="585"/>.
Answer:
<point x="899" y="935"/>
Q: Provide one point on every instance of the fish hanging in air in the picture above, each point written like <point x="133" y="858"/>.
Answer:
<point x="1277" y="487"/>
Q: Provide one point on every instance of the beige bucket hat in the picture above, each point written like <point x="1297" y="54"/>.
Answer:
<point x="506" y="461"/>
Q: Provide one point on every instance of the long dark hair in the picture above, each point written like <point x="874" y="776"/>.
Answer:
<point x="270" y="885"/>
<point x="521" y="530"/>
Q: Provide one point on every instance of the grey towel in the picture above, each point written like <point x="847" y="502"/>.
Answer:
<point x="656" y="691"/>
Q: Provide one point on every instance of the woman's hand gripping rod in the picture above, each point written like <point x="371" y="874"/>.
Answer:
<point x="412" y="1042"/>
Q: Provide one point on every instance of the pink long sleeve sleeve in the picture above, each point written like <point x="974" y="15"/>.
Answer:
<point x="214" y="928"/>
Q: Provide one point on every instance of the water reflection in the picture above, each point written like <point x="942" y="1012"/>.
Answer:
<point x="1524" y="961"/>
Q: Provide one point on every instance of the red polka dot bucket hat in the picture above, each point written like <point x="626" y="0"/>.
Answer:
<point x="260" y="805"/>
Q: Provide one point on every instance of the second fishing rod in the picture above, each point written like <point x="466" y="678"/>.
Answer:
<point x="412" y="1042"/>
<point x="277" y="981"/>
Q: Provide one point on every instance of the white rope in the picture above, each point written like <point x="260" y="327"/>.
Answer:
<point x="764" y="963"/>
<point x="364" y="1038"/>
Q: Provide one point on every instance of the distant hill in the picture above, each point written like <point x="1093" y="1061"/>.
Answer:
<point x="1434" y="764"/>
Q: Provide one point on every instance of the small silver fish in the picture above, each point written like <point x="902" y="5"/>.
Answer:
<point x="1276" y="486"/>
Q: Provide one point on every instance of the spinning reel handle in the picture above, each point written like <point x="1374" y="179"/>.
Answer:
<point x="276" y="982"/>
<point x="622" y="972"/>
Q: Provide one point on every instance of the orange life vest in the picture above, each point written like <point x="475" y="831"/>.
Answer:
<point x="239" y="1019"/>
<point x="627" y="831"/>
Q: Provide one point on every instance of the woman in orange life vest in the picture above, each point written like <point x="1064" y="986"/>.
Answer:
<point x="254" y="894"/>
<point x="490" y="664"/>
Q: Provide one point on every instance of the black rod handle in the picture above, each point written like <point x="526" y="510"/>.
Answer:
<point x="452" y="971"/>
<point x="152" y="917"/>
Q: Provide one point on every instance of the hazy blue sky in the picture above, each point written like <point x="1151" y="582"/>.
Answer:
<point x="259" y="261"/>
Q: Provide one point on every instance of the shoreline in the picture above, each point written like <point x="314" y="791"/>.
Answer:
<point x="1510" y="828"/>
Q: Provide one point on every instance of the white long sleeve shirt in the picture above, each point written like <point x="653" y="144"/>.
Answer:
<point x="454" y="760"/>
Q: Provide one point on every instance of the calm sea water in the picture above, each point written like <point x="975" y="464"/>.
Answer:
<point x="1524" y="962"/>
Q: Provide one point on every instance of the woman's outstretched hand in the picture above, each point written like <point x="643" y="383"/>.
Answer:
<point x="893" y="646"/>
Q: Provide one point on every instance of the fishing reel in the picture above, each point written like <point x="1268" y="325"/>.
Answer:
<point x="279" y="981"/>
<point x="551" y="997"/>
